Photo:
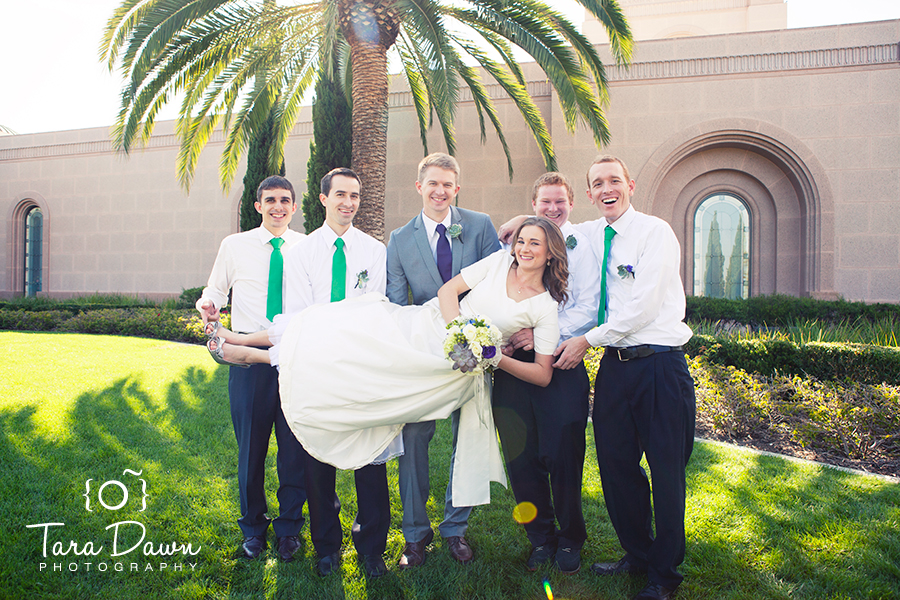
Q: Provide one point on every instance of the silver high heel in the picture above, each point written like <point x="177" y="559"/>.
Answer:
<point x="219" y="353"/>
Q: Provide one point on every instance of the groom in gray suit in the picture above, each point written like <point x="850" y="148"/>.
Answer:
<point x="421" y="256"/>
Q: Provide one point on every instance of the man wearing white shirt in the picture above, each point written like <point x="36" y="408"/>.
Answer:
<point x="311" y="269"/>
<point x="242" y="266"/>
<point x="644" y="393"/>
<point x="542" y="429"/>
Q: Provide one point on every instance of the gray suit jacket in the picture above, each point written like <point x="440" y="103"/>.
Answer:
<point x="410" y="262"/>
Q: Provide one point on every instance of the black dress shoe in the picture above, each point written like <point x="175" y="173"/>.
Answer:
<point x="287" y="547"/>
<point x="620" y="566"/>
<point x="655" y="591"/>
<point x="374" y="565"/>
<point x="253" y="545"/>
<point x="328" y="564"/>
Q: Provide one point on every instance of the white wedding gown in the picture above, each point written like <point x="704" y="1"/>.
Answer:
<point x="352" y="373"/>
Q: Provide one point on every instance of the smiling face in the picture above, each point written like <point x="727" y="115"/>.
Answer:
<point x="276" y="206"/>
<point x="610" y="190"/>
<point x="341" y="203"/>
<point x="531" y="248"/>
<point x="438" y="189"/>
<point x="552" y="202"/>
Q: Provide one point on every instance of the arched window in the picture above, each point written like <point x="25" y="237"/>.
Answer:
<point x="722" y="247"/>
<point x="34" y="237"/>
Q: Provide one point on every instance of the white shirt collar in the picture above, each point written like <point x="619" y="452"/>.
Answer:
<point x="431" y="224"/>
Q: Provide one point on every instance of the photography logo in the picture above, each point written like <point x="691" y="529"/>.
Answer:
<point x="122" y="546"/>
<point x="117" y="485"/>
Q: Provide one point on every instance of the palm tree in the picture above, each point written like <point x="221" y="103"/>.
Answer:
<point x="232" y="61"/>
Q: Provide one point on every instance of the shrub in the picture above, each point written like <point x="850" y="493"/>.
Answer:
<point x="826" y="361"/>
<point x="852" y="419"/>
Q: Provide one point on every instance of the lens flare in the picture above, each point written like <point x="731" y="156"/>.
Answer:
<point x="548" y="590"/>
<point x="525" y="512"/>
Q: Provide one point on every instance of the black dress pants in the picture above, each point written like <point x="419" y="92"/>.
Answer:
<point x="373" y="515"/>
<point x="542" y="436"/>
<point x="255" y="410"/>
<point x="646" y="406"/>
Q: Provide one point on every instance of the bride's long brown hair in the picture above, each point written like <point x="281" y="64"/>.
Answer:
<point x="556" y="274"/>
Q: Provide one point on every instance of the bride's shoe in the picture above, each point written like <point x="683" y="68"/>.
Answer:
<point x="218" y="353"/>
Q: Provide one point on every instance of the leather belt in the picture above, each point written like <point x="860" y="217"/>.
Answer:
<point x="642" y="351"/>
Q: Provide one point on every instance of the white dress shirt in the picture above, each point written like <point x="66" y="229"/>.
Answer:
<point x="307" y="267"/>
<point x="431" y="230"/>
<point x="646" y="305"/>
<point x="243" y="265"/>
<point x="579" y="314"/>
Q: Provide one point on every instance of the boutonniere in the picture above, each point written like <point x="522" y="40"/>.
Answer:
<point x="362" y="278"/>
<point x="455" y="231"/>
<point x="626" y="271"/>
<point x="571" y="242"/>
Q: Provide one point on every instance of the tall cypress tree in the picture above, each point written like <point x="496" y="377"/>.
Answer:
<point x="257" y="170"/>
<point x="715" y="262"/>
<point x="734" y="279"/>
<point x="330" y="148"/>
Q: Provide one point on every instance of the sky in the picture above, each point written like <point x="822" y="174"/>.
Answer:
<point x="52" y="79"/>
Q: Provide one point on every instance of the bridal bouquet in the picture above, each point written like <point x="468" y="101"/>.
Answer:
<point x="473" y="344"/>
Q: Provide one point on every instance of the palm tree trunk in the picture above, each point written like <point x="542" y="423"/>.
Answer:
<point x="370" y="122"/>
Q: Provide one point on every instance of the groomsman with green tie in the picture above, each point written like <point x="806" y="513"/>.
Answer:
<point x="249" y="264"/>
<point x="335" y="262"/>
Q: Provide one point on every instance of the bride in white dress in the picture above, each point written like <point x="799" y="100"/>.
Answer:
<point x="352" y="373"/>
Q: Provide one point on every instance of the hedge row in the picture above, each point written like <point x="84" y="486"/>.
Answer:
<point x="165" y="324"/>
<point x="824" y="361"/>
<point x="782" y="311"/>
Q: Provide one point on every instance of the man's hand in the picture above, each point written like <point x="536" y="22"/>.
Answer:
<point x="208" y="312"/>
<point x="507" y="230"/>
<point x="570" y="352"/>
<point x="523" y="338"/>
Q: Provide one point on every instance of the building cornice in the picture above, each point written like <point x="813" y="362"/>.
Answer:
<point x="764" y="62"/>
<point x="738" y="64"/>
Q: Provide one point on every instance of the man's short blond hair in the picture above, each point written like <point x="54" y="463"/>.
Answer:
<point x="607" y="158"/>
<point x="552" y="178"/>
<point x="440" y="160"/>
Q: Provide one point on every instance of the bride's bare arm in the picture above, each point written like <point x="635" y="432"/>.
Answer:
<point x="539" y="372"/>
<point x="259" y="339"/>
<point x="448" y="297"/>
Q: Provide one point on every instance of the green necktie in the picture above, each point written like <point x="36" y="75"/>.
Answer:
<point x="608" y="234"/>
<point x="276" y="277"/>
<point x="338" y="272"/>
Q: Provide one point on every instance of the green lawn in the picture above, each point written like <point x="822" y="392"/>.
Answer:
<point x="77" y="407"/>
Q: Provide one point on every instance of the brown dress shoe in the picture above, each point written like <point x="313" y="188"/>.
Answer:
<point x="287" y="547"/>
<point x="460" y="549"/>
<point x="414" y="552"/>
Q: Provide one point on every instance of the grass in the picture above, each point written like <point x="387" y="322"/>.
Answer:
<point x="884" y="331"/>
<point x="76" y="407"/>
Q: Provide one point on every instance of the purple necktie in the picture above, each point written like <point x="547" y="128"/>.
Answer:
<point x="444" y="256"/>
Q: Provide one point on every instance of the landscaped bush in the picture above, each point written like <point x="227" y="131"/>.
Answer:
<point x="782" y="311"/>
<point x="160" y="323"/>
<point x="826" y="361"/>
<point x="851" y="419"/>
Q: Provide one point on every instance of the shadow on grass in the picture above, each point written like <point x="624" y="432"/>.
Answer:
<point x="785" y="530"/>
<point x="757" y="527"/>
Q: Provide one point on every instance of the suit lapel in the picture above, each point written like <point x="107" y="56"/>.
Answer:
<point x="456" y="243"/>
<point x="421" y="239"/>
